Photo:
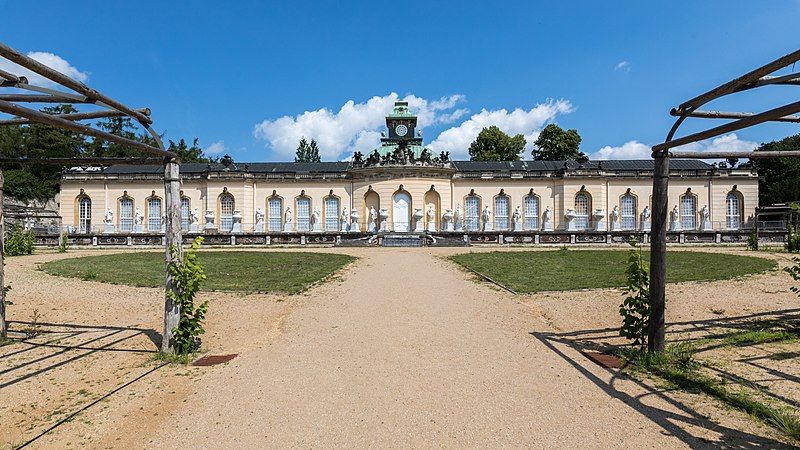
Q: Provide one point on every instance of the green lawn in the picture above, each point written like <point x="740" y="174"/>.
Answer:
<point x="275" y="272"/>
<point x="565" y="270"/>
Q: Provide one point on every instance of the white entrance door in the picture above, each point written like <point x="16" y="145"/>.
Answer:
<point x="401" y="213"/>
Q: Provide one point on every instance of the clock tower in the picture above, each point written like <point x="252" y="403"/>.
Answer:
<point x="402" y="126"/>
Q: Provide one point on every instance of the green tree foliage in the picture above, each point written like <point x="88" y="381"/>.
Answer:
<point x="190" y="154"/>
<point x="18" y="242"/>
<point x="635" y="308"/>
<point x="794" y="272"/>
<point x="792" y="240"/>
<point x="555" y="144"/>
<point x="779" y="178"/>
<point x="187" y="274"/>
<point x="307" y="152"/>
<point x="492" y="144"/>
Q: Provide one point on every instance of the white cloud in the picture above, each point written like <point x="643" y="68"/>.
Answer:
<point x="48" y="59"/>
<point x="623" y="65"/>
<point x="637" y="150"/>
<point x="355" y="127"/>
<point x="456" y="140"/>
<point x="216" y="148"/>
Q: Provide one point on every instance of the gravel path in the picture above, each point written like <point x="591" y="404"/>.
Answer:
<point x="406" y="351"/>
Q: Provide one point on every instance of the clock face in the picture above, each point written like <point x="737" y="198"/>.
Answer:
<point x="401" y="130"/>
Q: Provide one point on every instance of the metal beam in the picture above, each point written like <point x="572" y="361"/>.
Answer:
<point x="731" y="115"/>
<point x="83" y="161"/>
<point x="76" y="116"/>
<point x="55" y="121"/>
<point x="37" y="98"/>
<point x="725" y="155"/>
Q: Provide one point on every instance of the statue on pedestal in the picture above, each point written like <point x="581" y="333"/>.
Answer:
<point x="615" y="225"/>
<point x="259" y="227"/>
<point x="516" y="224"/>
<point x="599" y="219"/>
<point x="644" y="219"/>
<point x="287" y="219"/>
<point x="384" y="218"/>
<point x="447" y="220"/>
<point x="457" y="219"/>
<point x="209" y="218"/>
<point x="418" y="225"/>
<point x="570" y="217"/>
<point x="315" y="224"/>
<point x="138" y="218"/>
<point x="373" y="220"/>
<point x="344" y="219"/>
<point x="193" y="219"/>
<point x="354" y="217"/>
<point x="486" y="219"/>
<point x="705" y="219"/>
<point x="431" y="216"/>
<point x="108" y="221"/>
<point x="547" y="221"/>
<point x="675" y="220"/>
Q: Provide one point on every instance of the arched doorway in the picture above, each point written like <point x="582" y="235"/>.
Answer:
<point x="432" y="199"/>
<point x="371" y="200"/>
<point x="401" y="211"/>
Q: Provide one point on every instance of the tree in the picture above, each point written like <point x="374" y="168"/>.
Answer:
<point x="187" y="154"/>
<point x="779" y="178"/>
<point x="492" y="144"/>
<point x="555" y="144"/>
<point x="307" y="152"/>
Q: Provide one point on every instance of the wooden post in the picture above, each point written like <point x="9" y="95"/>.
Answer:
<point x="3" y="324"/>
<point x="172" y="195"/>
<point x="658" y="253"/>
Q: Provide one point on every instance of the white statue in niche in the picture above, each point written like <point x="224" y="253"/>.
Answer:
<point x="108" y="222"/>
<point x="431" y="215"/>
<point x="457" y="218"/>
<point x="139" y="217"/>
<point x="193" y="219"/>
<point x="486" y="218"/>
<point x="315" y="224"/>
<point x="287" y="219"/>
<point x="674" y="220"/>
<point x="547" y="219"/>
<point x="705" y="219"/>
<point x="516" y="219"/>
<point x="259" y="227"/>
<point x="345" y="217"/>
<point x="109" y="217"/>
<point x="644" y="219"/>
<point x="615" y="225"/>
<point x="373" y="219"/>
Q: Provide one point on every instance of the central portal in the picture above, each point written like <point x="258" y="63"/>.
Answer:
<point x="401" y="212"/>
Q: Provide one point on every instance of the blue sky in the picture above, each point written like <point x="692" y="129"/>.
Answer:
<point x="249" y="77"/>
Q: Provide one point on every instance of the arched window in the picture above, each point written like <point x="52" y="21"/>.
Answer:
<point x="226" y="206"/>
<point x="628" y="212"/>
<point x="531" y="212"/>
<point x="275" y="214"/>
<point x="472" y="210"/>
<point x="85" y="215"/>
<point x="688" y="212"/>
<point x="303" y="214"/>
<point x="733" y="211"/>
<point x="126" y="214"/>
<point x="331" y="213"/>
<point x="582" y="206"/>
<point x="185" y="205"/>
<point x="154" y="214"/>
<point x="501" y="212"/>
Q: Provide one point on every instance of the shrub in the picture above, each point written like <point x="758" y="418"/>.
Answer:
<point x="18" y="241"/>
<point x="63" y="243"/>
<point x="794" y="271"/>
<point x="635" y="308"/>
<point x="187" y="274"/>
<point x="793" y="240"/>
<point x="752" y="240"/>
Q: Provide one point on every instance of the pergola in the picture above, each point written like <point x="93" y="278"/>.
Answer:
<point x="18" y="92"/>
<point x="760" y="77"/>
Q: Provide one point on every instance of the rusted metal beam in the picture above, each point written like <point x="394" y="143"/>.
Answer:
<point x="55" y="121"/>
<point x="53" y="75"/>
<point x="744" y="80"/>
<point x="9" y="76"/>
<point x="82" y="161"/>
<point x="745" y="122"/>
<point x="77" y="116"/>
<point x="38" y="98"/>
<point x="732" y="115"/>
<point x="725" y="155"/>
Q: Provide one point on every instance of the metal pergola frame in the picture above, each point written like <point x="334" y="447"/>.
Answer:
<point x="760" y="77"/>
<point x="75" y="92"/>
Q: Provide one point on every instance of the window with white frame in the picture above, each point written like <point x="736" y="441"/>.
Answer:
<point x="303" y="214"/>
<point x="628" y="212"/>
<point x="154" y="214"/>
<point x="85" y="215"/>
<point x="185" y="205"/>
<point x="688" y="212"/>
<point x="275" y="211"/>
<point x="331" y="214"/>
<point x="472" y="208"/>
<point x="531" y="212"/>
<point x="226" y="207"/>
<point x="126" y="214"/>
<point x="582" y="211"/>
<point x="501" y="212"/>
<point x="733" y="211"/>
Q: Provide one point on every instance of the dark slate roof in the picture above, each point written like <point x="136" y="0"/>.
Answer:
<point x="460" y="166"/>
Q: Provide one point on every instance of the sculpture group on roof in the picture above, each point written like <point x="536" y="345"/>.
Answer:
<point x="401" y="156"/>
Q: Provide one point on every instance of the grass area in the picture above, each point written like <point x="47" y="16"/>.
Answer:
<point x="678" y="366"/>
<point x="564" y="270"/>
<point x="275" y="272"/>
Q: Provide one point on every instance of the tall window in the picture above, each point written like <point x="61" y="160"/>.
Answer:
<point x="154" y="214"/>
<point x="126" y="214"/>
<point x="472" y="210"/>
<point x="733" y="211"/>
<point x="688" y="212"/>
<point x="501" y="212"/>
<point x="226" y="206"/>
<point x="628" y="213"/>
<point x="582" y="211"/>
<point x="531" y="212"/>
<point x="303" y="214"/>
<point x="275" y="211"/>
<point x="185" y="213"/>
<point x="85" y="215"/>
<point x="331" y="214"/>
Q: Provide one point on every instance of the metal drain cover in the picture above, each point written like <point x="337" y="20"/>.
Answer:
<point x="604" y="360"/>
<point x="213" y="360"/>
